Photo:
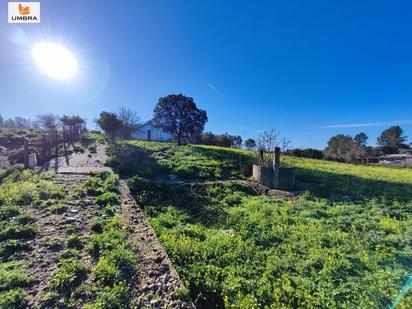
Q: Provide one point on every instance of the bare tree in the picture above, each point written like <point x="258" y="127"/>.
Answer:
<point x="285" y="144"/>
<point x="268" y="140"/>
<point x="130" y="120"/>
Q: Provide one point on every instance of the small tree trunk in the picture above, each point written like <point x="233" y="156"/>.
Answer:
<point x="179" y="139"/>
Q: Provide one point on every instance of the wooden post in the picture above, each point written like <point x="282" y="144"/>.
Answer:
<point x="261" y="157"/>
<point x="276" y="167"/>
<point x="25" y="153"/>
<point x="56" y="141"/>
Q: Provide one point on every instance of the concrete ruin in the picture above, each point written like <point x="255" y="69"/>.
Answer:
<point x="275" y="176"/>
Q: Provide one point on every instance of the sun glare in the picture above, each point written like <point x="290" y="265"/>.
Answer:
<point x="55" y="60"/>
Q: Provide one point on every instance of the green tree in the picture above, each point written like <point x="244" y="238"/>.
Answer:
<point x="361" y="138"/>
<point x="73" y="126"/>
<point x="250" y="143"/>
<point x="110" y="124"/>
<point x="344" y="149"/>
<point x="392" y="138"/>
<point x="179" y="115"/>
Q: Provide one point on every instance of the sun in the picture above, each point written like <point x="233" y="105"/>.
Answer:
<point x="55" y="60"/>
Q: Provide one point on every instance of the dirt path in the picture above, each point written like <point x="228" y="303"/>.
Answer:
<point x="158" y="284"/>
<point x="53" y="233"/>
<point x="79" y="163"/>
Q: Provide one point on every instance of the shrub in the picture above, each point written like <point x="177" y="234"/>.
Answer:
<point x="74" y="242"/>
<point x="55" y="243"/>
<point x="9" y="211"/>
<point x="69" y="275"/>
<point x="10" y="247"/>
<point x="18" y="232"/>
<point x="58" y="208"/>
<point x="107" y="198"/>
<point x="116" y="266"/>
<point x="13" y="299"/>
<point x="97" y="226"/>
<point x="116" y="297"/>
<point x="12" y="275"/>
<point x="93" y="186"/>
<point x="92" y="148"/>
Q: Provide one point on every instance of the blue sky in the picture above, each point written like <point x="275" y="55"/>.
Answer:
<point x="311" y="69"/>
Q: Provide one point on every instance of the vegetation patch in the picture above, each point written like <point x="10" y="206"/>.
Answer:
<point x="345" y="244"/>
<point x="22" y="192"/>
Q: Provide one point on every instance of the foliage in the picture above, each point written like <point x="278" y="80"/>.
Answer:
<point x="107" y="198"/>
<point x="306" y="153"/>
<point x="116" y="297"/>
<point x="344" y="244"/>
<point x="392" y="138"/>
<point x="148" y="159"/>
<point x="69" y="275"/>
<point x="361" y="138"/>
<point x="344" y="149"/>
<point x="48" y="122"/>
<point x="180" y="116"/>
<point x="263" y="251"/>
<point x="13" y="299"/>
<point x="223" y="140"/>
<point x="110" y="124"/>
<point x="91" y="137"/>
<point x="73" y="127"/>
<point x="92" y="148"/>
<point x="250" y="143"/>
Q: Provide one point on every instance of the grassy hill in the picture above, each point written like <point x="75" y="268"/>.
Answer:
<point x="347" y="243"/>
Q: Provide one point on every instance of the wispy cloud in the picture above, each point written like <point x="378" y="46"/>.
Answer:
<point x="210" y="85"/>
<point x="365" y="124"/>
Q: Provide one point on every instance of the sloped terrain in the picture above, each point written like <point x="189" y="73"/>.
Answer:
<point x="347" y="243"/>
<point x="75" y="238"/>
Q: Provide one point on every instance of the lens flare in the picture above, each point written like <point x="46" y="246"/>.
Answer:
<point x="55" y="60"/>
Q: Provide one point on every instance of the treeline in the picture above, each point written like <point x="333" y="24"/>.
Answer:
<point x="223" y="140"/>
<point x="71" y="127"/>
<point x="19" y="122"/>
<point x="345" y="148"/>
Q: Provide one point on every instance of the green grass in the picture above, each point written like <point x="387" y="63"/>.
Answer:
<point x="345" y="244"/>
<point x="21" y="191"/>
<point x="332" y="180"/>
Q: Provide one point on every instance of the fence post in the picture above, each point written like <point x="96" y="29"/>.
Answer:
<point x="276" y="167"/>
<point x="25" y="153"/>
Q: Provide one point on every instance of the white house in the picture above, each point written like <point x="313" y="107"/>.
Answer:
<point x="148" y="132"/>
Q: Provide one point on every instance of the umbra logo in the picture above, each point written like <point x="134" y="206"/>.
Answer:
<point x="24" y="12"/>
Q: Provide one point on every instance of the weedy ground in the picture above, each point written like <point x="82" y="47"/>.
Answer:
<point x="62" y="242"/>
<point x="347" y="243"/>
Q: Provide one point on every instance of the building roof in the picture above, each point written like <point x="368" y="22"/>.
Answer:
<point x="396" y="156"/>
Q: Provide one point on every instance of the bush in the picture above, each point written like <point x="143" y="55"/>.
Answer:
<point x="9" y="211"/>
<point x="69" y="275"/>
<point x="18" y="232"/>
<point x="12" y="275"/>
<point x="116" y="266"/>
<point x="13" y="299"/>
<point x="116" y="297"/>
<point x="74" y="242"/>
<point x="107" y="198"/>
<point x="92" y="148"/>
